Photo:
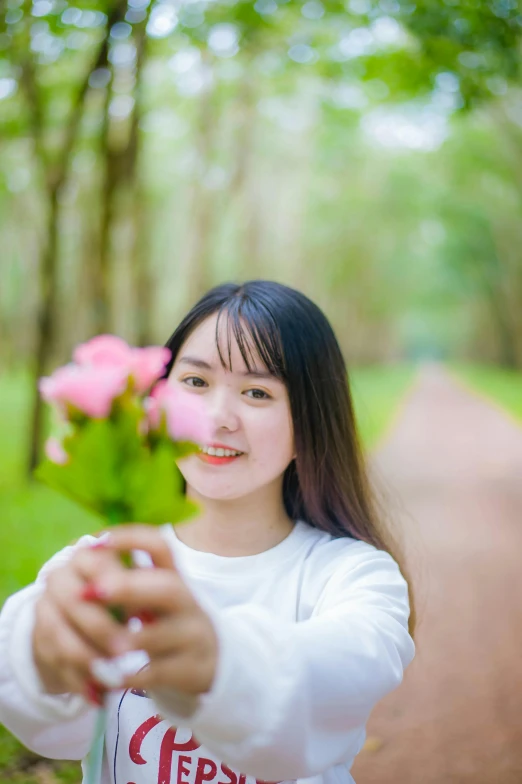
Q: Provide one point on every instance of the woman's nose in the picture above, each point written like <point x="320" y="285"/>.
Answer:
<point x="222" y="414"/>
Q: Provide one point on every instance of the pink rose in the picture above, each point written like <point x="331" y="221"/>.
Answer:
<point x="104" y="350"/>
<point x="186" y="418"/>
<point x="89" y="389"/>
<point x="147" y="365"/>
<point x="55" y="451"/>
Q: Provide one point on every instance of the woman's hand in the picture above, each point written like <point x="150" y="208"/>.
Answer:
<point x="177" y="633"/>
<point x="70" y="633"/>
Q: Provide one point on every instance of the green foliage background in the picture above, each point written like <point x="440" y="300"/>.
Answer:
<point x="368" y="153"/>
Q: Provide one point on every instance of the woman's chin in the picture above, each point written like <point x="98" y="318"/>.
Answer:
<point x="202" y="489"/>
<point x="206" y="494"/>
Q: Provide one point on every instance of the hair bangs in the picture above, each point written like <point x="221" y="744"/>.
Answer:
<point x="256" y="334"/>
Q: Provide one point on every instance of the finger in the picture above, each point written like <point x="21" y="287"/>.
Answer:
<point x="90" y="620"/>
<point x="166" y="636"/>
<point x="62" y="649"/>
<point x="142" y="537"/>
<point x="89" y="563"/>
<point x="177" y="672"/>
<point x="151" y="589"/>
<point x="94" y="624"/>
<point x="46" y="653"/>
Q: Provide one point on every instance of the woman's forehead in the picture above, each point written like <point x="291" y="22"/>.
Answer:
<point x="202" y="344"/>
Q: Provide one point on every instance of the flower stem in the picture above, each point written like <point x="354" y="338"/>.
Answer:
<point x="94" y="759"/>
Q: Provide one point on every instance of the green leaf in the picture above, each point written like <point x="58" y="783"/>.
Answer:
<point x="113" y="471"/>
<point x="184" y="448"/>
<point x="92" y="476"/>
<point x="55" y="477"/>
<point x="154" y="486"/>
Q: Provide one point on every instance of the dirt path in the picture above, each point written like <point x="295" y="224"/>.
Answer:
<point x="455" y="465"/>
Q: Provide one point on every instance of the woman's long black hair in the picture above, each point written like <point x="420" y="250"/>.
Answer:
<point x="326" y="485"/>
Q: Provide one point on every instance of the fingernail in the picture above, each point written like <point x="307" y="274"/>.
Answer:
<point x="94" y="693"/>
<point x="100" y="543"/>
<point x="92" y="593"/>
<point x="146" y="616"/>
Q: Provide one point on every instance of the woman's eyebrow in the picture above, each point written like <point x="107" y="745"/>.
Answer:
<point x="205" y="366"/>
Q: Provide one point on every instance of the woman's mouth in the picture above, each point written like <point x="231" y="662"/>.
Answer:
<point x="218" y="455"/>
<point x="215" y="460"/>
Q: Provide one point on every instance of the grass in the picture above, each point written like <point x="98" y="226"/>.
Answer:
<point x="18" y="765"/>
<point x="377" y="392"/>
<point x="500" y="385"/>
<point x="37" y="522"/>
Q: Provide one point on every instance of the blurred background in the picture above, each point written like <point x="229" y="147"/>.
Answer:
<point x="368" y="153"/>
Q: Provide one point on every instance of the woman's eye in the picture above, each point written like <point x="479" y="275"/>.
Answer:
<point x="194" y="378"/>
<point x="266" y="396"/>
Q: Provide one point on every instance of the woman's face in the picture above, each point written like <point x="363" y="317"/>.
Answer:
<point x="247" y="413"/>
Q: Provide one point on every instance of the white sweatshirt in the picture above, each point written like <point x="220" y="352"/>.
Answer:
<point x="312" y="634"/>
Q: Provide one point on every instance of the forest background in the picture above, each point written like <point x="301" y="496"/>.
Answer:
<point x="368" y="153"/>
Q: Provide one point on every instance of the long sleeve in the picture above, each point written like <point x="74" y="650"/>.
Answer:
<point x="290" y="700"/>
<point x="55" y="726"/>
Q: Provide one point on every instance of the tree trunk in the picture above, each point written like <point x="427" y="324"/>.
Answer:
<point x="507" y="347"/>
<point x="504" y="289"/>
<point x="141" y="272"/>
<point x="141" y="267"/>
<point x="55" y="174"/>
<point x="120" y="169"/>
<point x="203" y="205"/>
<point x="102" y="277"/>
<point x="46" y="322"/>
<point x="243" y="189"/>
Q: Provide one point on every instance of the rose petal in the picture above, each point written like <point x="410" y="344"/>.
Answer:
<point x="103" y="350"/>
<point x="147" y="365"/>
<point x="55" y="451"/>
<point x="186" y="416"/>
<point x="90" y="389"/>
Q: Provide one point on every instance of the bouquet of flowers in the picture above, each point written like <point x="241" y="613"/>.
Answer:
<point x="119" y="442"/>
<point x="121" y="430"/>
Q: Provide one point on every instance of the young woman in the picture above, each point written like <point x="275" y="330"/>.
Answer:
<point x="278" y="617"/>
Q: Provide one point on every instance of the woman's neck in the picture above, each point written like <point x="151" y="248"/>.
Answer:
<point x="241" y="526"/>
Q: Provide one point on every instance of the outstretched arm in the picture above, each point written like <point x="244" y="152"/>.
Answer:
<point x="274" y="699"/>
